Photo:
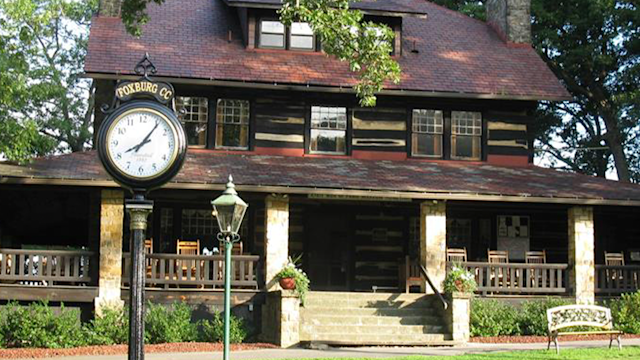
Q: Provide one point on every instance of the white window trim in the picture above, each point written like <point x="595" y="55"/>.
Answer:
<point x="441" y="156"/>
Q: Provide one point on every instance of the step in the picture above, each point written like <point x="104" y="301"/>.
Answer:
<point x="372" y="311"/>
<point x="315" y="319"/>
<point x="311" y="302"/>
<point x="370" y="296"/>
<point x="343" y="338"/>
<point x="375" y="330"/>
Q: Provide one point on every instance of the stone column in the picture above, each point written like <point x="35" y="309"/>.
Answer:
<point x="110" y="275"/>
<point x="276" y="233"/>
<point x="281" y="318"/>
<point x="458" y="316"/>
<point x="433" y="242"/>
<point x="581" y="254"/>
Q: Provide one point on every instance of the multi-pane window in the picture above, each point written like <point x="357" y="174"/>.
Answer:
<point x="301" y="37"/>
<point x="193" y="113"/>
<point x="232" y="124"/>
<point x="426" y="137"/>
<point x="328" y="130"/>
<point x="272" y="34"/>
<point x="466" y="135"/>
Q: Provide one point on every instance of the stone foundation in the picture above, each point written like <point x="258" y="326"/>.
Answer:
<point x="581" y="254"/>
<point x="281" y="318"/>
<point x="433" y="242"/>
<point x="111" y="225"/>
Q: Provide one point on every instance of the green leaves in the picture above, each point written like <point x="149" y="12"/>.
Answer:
<point x="366" y="45"/>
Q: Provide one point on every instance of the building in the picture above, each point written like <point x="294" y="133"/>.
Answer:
<point x="443" y="161"/>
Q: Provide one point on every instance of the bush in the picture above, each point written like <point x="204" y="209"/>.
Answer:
<point x="169" y="324"/>
<point x="493" y="318"/>
<point x="112" y="327"/>
<point x="626" y="312"/>
<point x="36" y="325"/>
<point x="532" y="318"/>
<point x="213" y="330"/>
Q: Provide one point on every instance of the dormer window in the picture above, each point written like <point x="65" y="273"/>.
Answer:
<point x="272" y="34"/>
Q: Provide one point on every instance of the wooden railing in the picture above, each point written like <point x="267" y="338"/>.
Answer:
<point x="617" y="279"/>
<point x="45" y="267"/>
<point x="195" y="270"/>
<point x="517" y="278"/>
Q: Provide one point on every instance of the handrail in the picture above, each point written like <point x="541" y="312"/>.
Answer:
<point x="424" y="273"/>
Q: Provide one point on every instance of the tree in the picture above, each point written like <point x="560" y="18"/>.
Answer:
<point x="345" y="34"/>
<point x="45" y="105"/>
<point x="593" y="47"/>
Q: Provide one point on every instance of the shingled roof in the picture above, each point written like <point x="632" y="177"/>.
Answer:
<point x="399" y="7"/>
<point x="456" y="55"/>
<point x="410" y="178"/>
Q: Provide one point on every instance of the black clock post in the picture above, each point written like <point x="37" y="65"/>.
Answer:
<point x="142" y="145"/>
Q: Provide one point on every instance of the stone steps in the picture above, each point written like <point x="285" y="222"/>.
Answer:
<point x="373" y="319"/>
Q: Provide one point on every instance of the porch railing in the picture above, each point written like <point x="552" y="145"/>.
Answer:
<point x="617" y="279"/>
<point x="45" y="267"/>
<point x="519" y="278"/>
<point x="195" y="270"/>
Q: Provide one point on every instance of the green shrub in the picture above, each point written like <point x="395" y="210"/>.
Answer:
<point x="169" y="324"/>
<point x="213" y="330"/>
<point x="112" y="327"/>
<point x="493" y="318"/>
<point x="532" y="317"/>
<point x="626" y="312"/>
<point x="37" y="325"/>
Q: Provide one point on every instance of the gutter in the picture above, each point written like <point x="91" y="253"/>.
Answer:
<point x="381" y="194"/>
<point x="325" y="89"/>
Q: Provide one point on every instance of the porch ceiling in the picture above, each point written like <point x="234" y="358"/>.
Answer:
<point x="415" y="179"/>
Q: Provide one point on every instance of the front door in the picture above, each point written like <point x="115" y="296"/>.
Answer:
<point x="328" y="251"/>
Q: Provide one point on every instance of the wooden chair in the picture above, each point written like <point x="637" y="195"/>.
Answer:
<point x="236" y="248"/>
<point x="614" y="259"/>
<point x="148" y="249"/>
<point x="456" y="255"/>
<point x="498" y="257"/>
<point x="184" y="247"/>
<point x="410" y="274"/>
<point x="535" y="257"/>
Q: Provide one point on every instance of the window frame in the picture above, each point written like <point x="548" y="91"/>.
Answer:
<point x="480" y="136"/>
<point x="206" y="122"/>
<point x="216" y="124"/>
<point x="442" y="133"/>
<point x="260" y="32"/>
<point x="289" y="46"/>
<point x="310" y="128"/>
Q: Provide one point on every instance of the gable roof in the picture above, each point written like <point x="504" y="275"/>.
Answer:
<point x="457" y="56"/>
<point x="414" y="179"/>
<point x="398" y="7"/>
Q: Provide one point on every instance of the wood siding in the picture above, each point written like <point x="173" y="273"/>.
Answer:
<point x="279" y="123"/>
<point x="507" y="133"/>
<point x="379" y="129"/>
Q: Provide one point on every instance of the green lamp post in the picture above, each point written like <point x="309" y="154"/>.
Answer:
<point x="229" y="210"/>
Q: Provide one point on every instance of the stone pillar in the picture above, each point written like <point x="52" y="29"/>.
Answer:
<point x="110" y="275"/>
<point x="281" y="318"/>
<point x="433" y="242"/>
<point x="276" y="233"/>
<point x="458" y="316"/>
<point x="581" y="254"/>
<point x="511" y="19"/>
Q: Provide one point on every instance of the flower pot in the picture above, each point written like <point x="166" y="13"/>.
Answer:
<point x="288" y="283"/>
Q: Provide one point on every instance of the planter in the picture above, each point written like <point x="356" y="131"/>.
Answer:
<point x="287" y="283"/>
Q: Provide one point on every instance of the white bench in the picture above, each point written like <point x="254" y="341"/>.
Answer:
<point x="562" y="317"/>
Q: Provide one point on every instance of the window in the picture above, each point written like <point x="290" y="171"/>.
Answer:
<point x="193" y="112"/>
<point x="301" y="37"/>
<point x="328" y="130"/>
<point x="466" y="135"/>
<point x="426" y="138"/>
<point x="272" y="34"/>
<point x="232" y="124"/>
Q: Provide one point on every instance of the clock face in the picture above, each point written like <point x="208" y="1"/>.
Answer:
<point x="142" y="143"/>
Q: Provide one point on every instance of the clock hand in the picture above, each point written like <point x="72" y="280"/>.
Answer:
<point x="145" y="140"/>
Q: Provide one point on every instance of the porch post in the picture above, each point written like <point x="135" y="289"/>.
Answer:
<point x="581" y="254"/>
<point x="110" y="273"/>
<point x="433" y="242"/>
<point x="276" y="233"/>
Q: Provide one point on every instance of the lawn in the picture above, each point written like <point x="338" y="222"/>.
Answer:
<point x="628" y="352"/>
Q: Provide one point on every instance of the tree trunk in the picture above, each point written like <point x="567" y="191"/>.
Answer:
<point x="615" y="144"/>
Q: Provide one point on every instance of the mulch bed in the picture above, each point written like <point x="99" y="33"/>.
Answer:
<point x="122" y="349"/>
<point x="542" y="339"/>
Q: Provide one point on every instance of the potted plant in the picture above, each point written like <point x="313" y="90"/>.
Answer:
<point x="291" y="277"/>
<point x="459" y="280"/>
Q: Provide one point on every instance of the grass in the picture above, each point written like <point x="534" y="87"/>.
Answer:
<point x="627" y="352"/>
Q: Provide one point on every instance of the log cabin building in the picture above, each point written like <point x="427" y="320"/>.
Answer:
<point x="366" y="195"/>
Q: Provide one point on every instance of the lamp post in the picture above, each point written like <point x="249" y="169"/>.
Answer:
<point x="229" y="210"/>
